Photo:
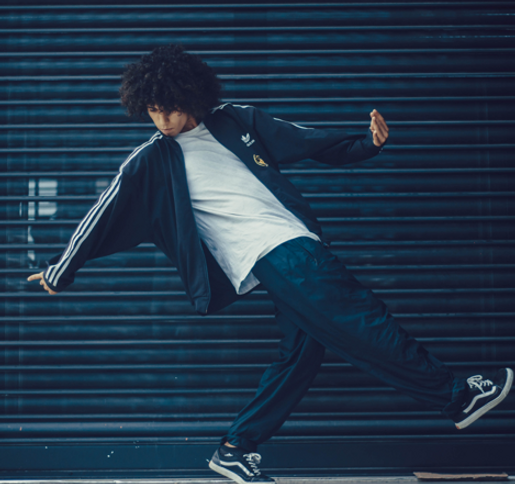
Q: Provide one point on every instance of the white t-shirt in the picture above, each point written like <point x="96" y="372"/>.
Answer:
<point x="238" y="218"/>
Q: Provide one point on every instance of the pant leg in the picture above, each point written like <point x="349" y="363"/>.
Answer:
<point x="315" y="290"/>
<point x="282" y="386"/>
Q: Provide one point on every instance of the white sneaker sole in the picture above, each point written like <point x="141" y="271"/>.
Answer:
<point x="480" y="412"/>
<point x="231" y="475"/>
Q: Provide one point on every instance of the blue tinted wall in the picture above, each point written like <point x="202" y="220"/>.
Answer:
<point x="118" y="376"/>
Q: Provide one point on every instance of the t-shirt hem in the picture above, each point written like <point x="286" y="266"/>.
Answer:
<point x="245" y="289"/>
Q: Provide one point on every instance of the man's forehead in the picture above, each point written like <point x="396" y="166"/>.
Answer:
<point x="161" y="108"/>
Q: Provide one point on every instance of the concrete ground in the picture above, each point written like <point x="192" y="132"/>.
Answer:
<point x="279" y="480"/>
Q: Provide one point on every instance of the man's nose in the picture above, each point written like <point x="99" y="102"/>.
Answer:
<point x="161" y="120"/>
<point x="164" y="118"/>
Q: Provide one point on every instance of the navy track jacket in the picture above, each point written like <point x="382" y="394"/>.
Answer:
<point x="149" y="201"/>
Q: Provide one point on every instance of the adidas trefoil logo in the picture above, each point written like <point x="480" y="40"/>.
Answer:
<point x="246" y="139"/>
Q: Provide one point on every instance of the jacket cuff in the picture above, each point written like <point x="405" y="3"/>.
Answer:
<point x="51" y="286"/>
<point x="49" y="263"/>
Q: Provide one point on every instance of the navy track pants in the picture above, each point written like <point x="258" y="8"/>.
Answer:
<point x="321" y="305"/>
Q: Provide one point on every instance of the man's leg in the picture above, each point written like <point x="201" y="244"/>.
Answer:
<point x="282" y="386"/>
<point x="314" y="292"/>
<point x="314" y="289"/>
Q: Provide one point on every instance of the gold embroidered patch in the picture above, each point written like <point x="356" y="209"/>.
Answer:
<point x="259" y="161"/>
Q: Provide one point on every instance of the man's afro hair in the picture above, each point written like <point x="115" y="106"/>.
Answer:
<point x="172" y="80"/>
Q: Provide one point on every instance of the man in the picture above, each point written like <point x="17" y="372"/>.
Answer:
<point x="207" y="190"/>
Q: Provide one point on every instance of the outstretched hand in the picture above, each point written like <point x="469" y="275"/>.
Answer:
<point x="42" y="282"/>
<point x="378" y="127"/>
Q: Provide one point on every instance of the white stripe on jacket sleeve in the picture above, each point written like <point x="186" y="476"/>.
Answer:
<point x="88" y="222"/>
<point x="293" y="124"/>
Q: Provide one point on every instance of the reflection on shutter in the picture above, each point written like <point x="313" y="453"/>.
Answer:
<point x="117" y="375"/>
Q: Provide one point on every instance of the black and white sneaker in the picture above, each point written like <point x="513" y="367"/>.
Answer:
<point x="238" y="465"/>
<point x="483" y="395"/>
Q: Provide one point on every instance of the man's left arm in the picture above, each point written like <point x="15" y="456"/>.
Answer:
<point x="290" y="143"/>
<point x="360" y="148"/>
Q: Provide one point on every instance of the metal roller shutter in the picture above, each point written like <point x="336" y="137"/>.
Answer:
<point x="118" y="376"/>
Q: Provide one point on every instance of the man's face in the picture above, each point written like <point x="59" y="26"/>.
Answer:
<point x="171" y="123"/>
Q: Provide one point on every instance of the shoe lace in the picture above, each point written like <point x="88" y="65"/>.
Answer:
<point x="253" y="459"/>
<point x="478" y="382"/>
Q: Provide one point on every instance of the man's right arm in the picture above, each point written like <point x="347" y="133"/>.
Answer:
<point x="118" y="221"/>
<point x="113" y="224"/>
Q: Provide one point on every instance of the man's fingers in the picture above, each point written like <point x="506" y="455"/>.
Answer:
<point x="47" y="289"/>
<point x="377" y="139"/>
<point x="374" y="124"/>
<point x="382" y="124"/>
<point x="380" y="120"/>
<point x="380" y="134"/>
<point x="375" y="113"/>
<point x="381" y="128"/>
<point x="378" y="127"/>
<point x="378" y="123"/>
<point x="35" y="277"/>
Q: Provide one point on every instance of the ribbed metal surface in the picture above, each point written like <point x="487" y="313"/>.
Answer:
<point x="428" y="224"/>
